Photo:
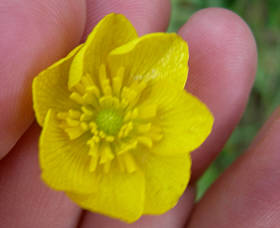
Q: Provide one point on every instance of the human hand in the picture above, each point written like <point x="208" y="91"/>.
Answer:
<point x="222" y="68"/>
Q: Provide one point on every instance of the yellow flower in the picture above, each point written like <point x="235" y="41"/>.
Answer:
<point x="118" y="127"/>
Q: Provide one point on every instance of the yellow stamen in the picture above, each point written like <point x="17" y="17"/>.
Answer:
<point x="74" y="132"/>
<point x="93" y="127"/>
<point x="145" y="141"/>
<point x="138" y="87"/>
<point x="77" y="98"/>
<point x="102" y="134"/>
<point x="106" y="153"/>
<point x="72" y="123"/>
<point x="87" y="114"/>
<point x="104" y="81"/>
<point x="90" y="99"/>
<point x="74" y="114"/>
<point x="128" y="94"/>
<point x="117" y="81"/>
<point x="129" y="163"/>
<point x="125" y="130"/>
<point x="93" y="152"/>
<point x="84" y="126"/>
<point x="108" y="102"/>
<point x="125" y="147"/>
<point x="93" y="90"/>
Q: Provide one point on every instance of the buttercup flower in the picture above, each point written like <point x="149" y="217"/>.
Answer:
<point x="118" y="126"/>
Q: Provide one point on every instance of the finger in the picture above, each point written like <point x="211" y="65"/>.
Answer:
<point x="247" y="195"/>
<point x="222" y="69"/>
<point x="25" y="201"/>
<point x="144" y="15"/>
<point x="34" y="34"/>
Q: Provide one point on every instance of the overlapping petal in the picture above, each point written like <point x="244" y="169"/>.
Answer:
<point x="153" y="56"/>
<point x="112" y="31"/>
<point x="119" y="195"/>
<point x="166" y="179"/>
<point x="186" y="122"/>
<point x="142" y="80"/>
<point x="64" y="162"/>
<point x="50" y="88"/>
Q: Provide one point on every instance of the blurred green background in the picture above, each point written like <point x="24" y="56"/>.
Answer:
<point x="263" y="16"/>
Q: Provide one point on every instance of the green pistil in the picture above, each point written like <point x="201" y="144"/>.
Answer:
<point x="109" y="121"/>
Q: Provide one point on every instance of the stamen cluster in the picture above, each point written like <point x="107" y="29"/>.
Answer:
<point x="114" y="115"/>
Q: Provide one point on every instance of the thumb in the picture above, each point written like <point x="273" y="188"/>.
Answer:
<point x="34" y="34"/>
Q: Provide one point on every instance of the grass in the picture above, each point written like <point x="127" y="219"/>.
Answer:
<point x="263" y="16"/>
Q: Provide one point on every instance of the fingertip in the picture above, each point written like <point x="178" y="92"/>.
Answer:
<point x="34" y="34"/>
<point x="223" y="34"/>
<point x="146" y="16"/>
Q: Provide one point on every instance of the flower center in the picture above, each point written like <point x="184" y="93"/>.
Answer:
<point x="109" y="121"/>
<point x="108" y="110"/>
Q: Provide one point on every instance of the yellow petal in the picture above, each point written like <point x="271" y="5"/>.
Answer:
<point x="112" y="31"/>
<point x="119" y="195"/>
<point x="50" y="88"/>
<point x="153" y="56"/>
<point x="185" y="121"/>
<point x="64" y="163"/>
<point x="166" y="179"/>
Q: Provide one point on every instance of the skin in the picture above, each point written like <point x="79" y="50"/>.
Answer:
<point x="222" y="69"/>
